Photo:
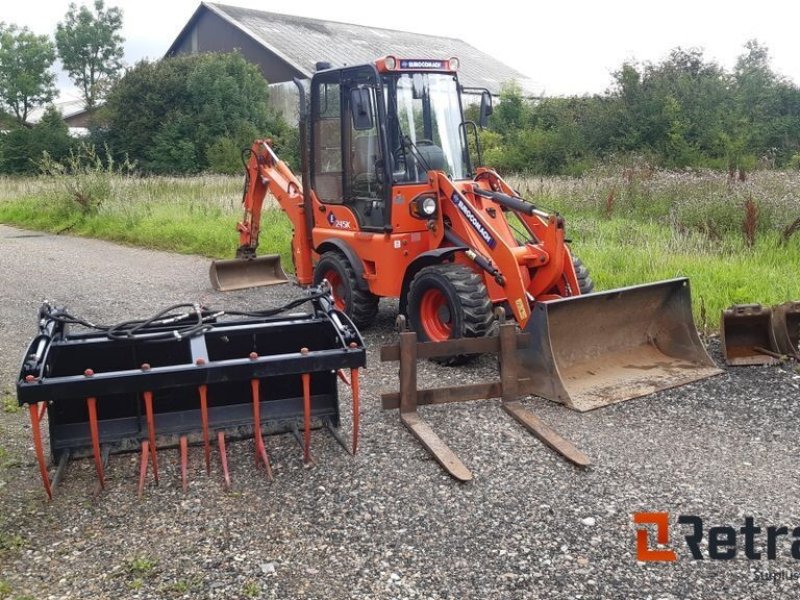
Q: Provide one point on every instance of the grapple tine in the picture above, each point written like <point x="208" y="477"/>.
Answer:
<point x="204" y="421"/>
<point x="356" y="407"/>
<point x="151" y="431"/>
<point x="306" y="415"/>
<point x="223" y="455"/>
<point x="37" y="444"/>
<point x="143" y="460"/>
<point x="261" y="450"/>
<point x="184" y="463"/>
<point x="340" y="374"/>
<point x="91" y="404"/>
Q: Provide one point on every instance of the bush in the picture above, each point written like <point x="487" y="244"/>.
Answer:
<point x="22" y="147"/>
<point x="187" y="114"/>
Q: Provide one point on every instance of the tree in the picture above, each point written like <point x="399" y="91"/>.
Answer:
<point x="167" y="115"/>
<point x="25" y="77"/>
<point x="90" y="48"/>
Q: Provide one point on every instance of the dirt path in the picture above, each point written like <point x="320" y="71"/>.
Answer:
<point x="387" y="523"/>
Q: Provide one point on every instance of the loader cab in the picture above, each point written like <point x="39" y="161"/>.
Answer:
<point x="377" y="126"/>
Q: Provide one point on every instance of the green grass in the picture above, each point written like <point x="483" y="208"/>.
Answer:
<point x="630" y="226"/>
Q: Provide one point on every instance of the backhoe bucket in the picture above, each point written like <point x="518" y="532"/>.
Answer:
<point x="786" y="328"/>
<point x="593" y="350"/>
<point x="241" y="273"/>
<point x="747" y="335"/>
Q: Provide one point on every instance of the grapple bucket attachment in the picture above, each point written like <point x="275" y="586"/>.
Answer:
<point x="786" y="328"/>
<point x="237" y="378"/>
<point x="747" y="336"/>
<point x="594" y="350"/>
<point x="241" y="273"/>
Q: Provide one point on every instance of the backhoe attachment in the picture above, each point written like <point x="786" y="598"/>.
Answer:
<point x="753" y="334"/>
<point x="242" y="273"/>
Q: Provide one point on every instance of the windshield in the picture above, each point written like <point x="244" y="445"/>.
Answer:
<point x="424" y="126"/>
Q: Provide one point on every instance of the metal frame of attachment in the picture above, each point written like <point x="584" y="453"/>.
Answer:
<point x="508" y="389"/>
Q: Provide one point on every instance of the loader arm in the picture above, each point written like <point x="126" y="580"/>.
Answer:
<point x="538" y="269"/>
<point x="267" y="173"/>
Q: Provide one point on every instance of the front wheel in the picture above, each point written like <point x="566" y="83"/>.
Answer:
<point x="361" y="306"/>
<point x="585" y="283"/>
<point x="447" y="302"/>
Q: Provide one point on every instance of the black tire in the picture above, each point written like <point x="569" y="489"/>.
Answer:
<point x="465" y="309"/>
<point x="361" y="306"/>
<point x="585" y="283"/>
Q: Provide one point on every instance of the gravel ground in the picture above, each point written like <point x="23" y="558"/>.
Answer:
<point x="388" y="523"/>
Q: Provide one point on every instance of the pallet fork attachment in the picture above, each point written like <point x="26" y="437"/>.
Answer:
<point x="508" y="389"/>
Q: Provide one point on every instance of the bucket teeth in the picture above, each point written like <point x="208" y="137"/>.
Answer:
<point x="151" y="432"/>
<point x="203" y="391"/>
<point x="184" y="446"/>
<point x="223" y="455"/>
<point x="306" y="417"/>
<point x="91" y="404"/>
<point x="37" y="444"/>
<point x="261" y="450"/>
<point x="356" y="407"/>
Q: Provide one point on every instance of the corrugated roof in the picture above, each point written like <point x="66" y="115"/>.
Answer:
<point x="302" y="42"/>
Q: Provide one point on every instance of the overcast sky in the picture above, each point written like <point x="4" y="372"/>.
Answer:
<point x="568" y="47"/>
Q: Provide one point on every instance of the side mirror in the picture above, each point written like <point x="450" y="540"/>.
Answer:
<point x="361" y="109"/>
<point x="486" y="108"/>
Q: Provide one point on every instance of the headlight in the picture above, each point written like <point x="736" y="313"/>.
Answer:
<point x="454" y="64"/>
<point x="424" y="206"/>
<point x="428" y="206"/>
<point x="390" y="62"/>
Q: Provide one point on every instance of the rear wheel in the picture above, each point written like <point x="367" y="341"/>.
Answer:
<point x="448" y="302"/>
<point x="361" y="306"/>
<point x="585" y="283"/>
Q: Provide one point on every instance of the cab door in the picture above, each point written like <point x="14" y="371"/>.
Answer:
<point x="348" y="141"/>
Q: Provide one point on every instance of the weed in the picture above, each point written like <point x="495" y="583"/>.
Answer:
<point x="610" y="202"/>
<point x="251" y="589"/>
<point x="141" y="565"/>
<point x="85" y="177"/>
<point x="790" y="230"/>
<point x="750" y="223"/>
<point x="136" y="585"/>
<point x="12" y="541"/>
<point x="178" y="587"/>
<point x="5" y="589"/>
<point x="10" y="404"/>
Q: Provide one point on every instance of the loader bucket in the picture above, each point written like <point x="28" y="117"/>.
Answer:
<point x="747" y="336"/>
<point x="239" y="378"/>
<point x="241" y="273"/>
<point x="593" y="350"/>
<point x="786" y="328"/>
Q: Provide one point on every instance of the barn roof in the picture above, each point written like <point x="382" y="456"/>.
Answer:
<point x="302" y="42"/>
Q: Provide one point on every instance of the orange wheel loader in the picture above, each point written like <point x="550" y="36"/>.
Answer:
<point x="390" y="203"/>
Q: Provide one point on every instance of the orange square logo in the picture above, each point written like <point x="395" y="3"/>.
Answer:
<point x="643" y="550"/>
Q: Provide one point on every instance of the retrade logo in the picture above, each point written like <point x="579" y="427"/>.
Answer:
<point x="714" y="543"/>
<point x="644" y="551"/>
